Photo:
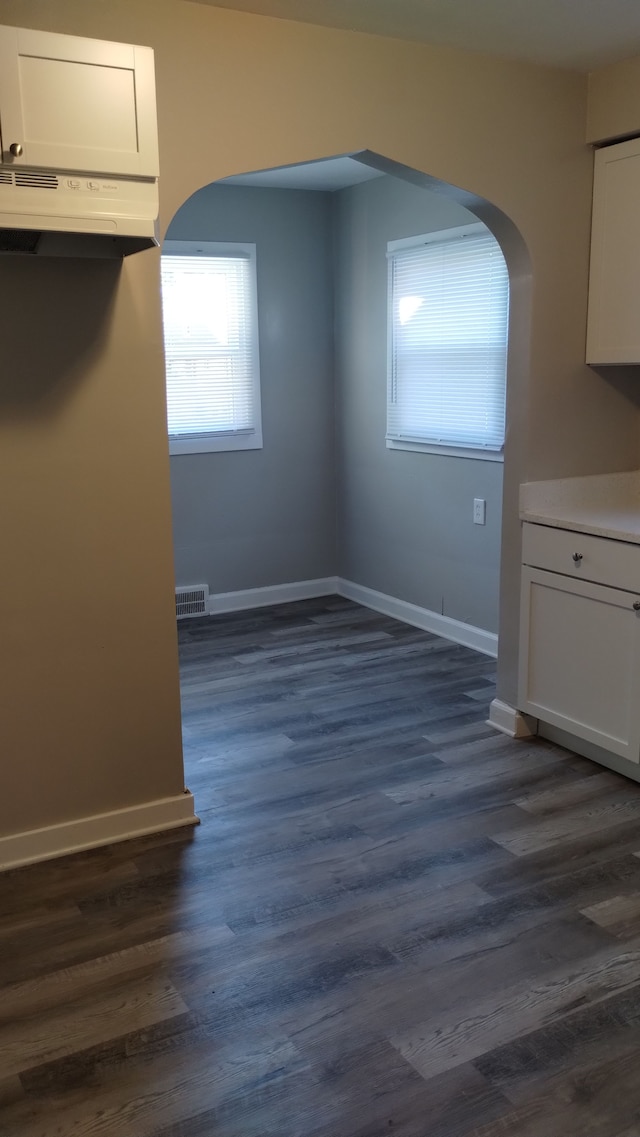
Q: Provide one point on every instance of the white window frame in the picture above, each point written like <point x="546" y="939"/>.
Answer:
<point x="221" y="440"/>
<point x="431" y="445"/>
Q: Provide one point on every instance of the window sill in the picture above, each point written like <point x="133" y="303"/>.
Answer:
<point x="212" y="444"/>
<point x="448" y="451"/>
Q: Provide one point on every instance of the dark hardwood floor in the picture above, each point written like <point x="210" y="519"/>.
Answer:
<point x="392" y="920"/>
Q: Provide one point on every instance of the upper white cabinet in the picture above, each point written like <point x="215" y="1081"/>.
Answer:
<point x="613" y="326"/>
<point x="68" y="103"/>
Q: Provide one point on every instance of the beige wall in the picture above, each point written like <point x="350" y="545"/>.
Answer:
<point x="89" y="689"/>
<point x="614" y="101"/>
<point x="90" y="713"/>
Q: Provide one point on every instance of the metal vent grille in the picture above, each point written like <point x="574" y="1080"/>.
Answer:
<point x="192" y="601"/>
<point x="6" y="178"/>
<point x="35" y="180"/>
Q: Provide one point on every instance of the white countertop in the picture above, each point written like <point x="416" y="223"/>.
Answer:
<point x="605" y="504"/>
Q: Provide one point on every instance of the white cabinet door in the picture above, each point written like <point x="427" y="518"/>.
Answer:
<point x="580" y="659"/>
<point x="77" y="104"/>
<point x="613" y="325"/>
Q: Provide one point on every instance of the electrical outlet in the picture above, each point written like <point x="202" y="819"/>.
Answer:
<point x="479" y="511"/>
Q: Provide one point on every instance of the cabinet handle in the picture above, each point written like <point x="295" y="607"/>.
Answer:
<point x="636" y="605"/>
<point x="16" y="149"/>
<point x="577" y="557"/>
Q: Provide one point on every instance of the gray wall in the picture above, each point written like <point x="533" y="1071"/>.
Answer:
<point x="324" y="496"/>
<point x="252" y="518"/>
<point x="404" y="519"/>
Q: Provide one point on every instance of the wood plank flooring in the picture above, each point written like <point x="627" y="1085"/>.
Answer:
<point x="392" y="920"/>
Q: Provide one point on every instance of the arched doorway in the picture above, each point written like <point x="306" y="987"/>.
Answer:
<point x="324" y="499"/>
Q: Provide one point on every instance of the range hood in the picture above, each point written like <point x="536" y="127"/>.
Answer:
<point x="78" y="146"/>
<point x="69" y="214"/>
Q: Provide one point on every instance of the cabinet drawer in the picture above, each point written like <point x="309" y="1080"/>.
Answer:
<point x="605" y="561"/>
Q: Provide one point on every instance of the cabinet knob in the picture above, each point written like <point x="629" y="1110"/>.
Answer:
<point x="577" y="557"/>
<point x="16" y="149"/>
<point x="636" y="605"/>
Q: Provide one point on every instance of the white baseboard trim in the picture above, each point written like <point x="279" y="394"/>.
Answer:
<point x="101" y="829"/>
<point x="273" y="594"/>
<point x="445" y="626"/>
<point x="509" y="721"/>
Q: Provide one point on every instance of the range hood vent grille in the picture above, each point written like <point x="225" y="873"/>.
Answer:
<point x="35" y="180"/>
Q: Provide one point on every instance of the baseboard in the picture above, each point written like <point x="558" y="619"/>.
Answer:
<point x="273" y="594"/>
<point x="509" y="721"/>
<point x="101" y="829"/>
<point x="445" y="626"/>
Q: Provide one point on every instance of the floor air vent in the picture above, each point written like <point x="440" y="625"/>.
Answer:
<point x="192" y="601"/>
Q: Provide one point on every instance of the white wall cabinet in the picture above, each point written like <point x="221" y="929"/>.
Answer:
<point x="580" y="637"/>
<point x="68" y="103"/>
<point x="613" y="324"/>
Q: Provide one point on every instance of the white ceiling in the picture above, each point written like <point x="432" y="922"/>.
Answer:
<point x="326" y="174"/>
<point x="579" y="34"/>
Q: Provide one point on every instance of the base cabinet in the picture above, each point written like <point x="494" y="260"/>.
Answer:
<point x="580" y="646"/>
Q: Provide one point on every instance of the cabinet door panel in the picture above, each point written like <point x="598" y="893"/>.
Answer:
<point x="613" y="326"/>
<point x="76" y="117"/>
<point x="580" y="660"/>
<point x="77" y="104"/>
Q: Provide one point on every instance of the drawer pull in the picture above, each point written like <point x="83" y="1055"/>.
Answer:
<point x="636" y="605"/>
<point x="577" y="557"/>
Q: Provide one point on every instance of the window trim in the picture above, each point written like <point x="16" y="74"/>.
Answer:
<point x="449" y="449"/>
<point x="220" y="441"/>
<point x="483" y="453"/>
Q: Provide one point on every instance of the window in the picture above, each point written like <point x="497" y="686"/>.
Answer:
<point x="209" y="303"/>
<point x="448" y="322"/>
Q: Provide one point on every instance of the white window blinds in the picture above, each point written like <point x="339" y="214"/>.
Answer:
<point x="211" y="347"/>
<point x="448" y="324"/>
